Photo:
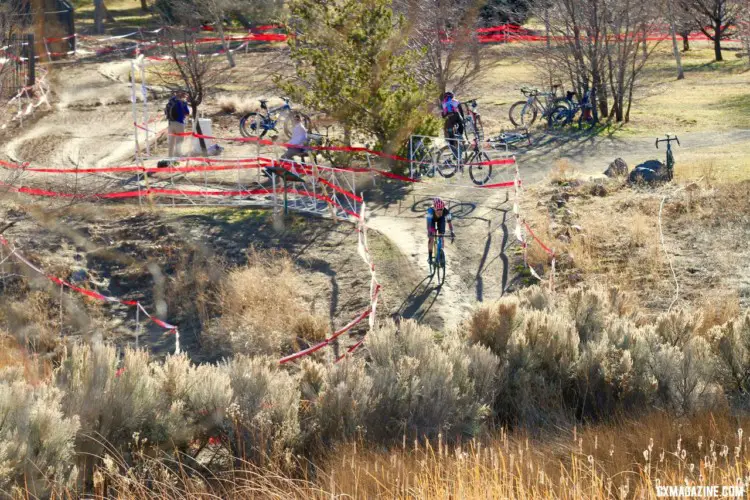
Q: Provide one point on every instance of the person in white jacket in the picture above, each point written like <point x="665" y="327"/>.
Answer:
<point x="298" y="141"/>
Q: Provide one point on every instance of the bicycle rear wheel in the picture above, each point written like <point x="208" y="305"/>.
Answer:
<point x="447" y="163"/>
<point x="251" y="125"/>
<point x="480" y="174"/>
<point x="522" y="115"/>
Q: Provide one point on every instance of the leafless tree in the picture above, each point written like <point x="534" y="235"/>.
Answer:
<point x="715" y="19"/>
<point x="188" y="70"/>
<point x="10" y="26"/>
<point x="445" y="30"/>
<point x="670" y="9"/>
<point x="194" y="12"/>
<point x="600" y="45"/>
<point x="743" y="24"/>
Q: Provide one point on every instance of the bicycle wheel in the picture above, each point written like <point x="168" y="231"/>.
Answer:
<point x="440" y="266"/>
<point x="480" y="174"/>
<point x="424" y="163"/>
<point x="522" y="115"/>
<point x="251" y="125"/>
<point x="559" y="116"/>
<point x="447" y="163"/>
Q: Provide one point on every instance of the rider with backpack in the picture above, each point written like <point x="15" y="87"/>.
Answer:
<point x="177" y="111"/>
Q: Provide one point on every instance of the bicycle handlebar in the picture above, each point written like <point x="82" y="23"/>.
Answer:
<point x="667" y="140"/>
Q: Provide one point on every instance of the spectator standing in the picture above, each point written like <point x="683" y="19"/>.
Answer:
<point x="177" y="111"/>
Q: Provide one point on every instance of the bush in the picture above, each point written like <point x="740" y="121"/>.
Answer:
<point x="264" y="412"/>
<point x="262" y="310"/>
<point x="36" y="439"/>
<point x="421" y="387"/>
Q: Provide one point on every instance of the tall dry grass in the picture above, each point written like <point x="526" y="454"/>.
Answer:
<point x="625" y="459"/>
<point x="264" y="308"/>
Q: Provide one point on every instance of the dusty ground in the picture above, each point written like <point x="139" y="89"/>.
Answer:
<point x="91" y="126"/>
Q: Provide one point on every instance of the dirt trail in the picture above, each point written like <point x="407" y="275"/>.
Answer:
<point x="91" y="124"/>
<point x="477" y="263"/>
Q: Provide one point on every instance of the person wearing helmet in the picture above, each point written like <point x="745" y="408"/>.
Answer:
<point x="437" y="215"/>
<point x="453" y="126"/>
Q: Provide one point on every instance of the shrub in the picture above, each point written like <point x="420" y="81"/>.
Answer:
<point x="342" y="402"/>
<point x="261" y="310"/>
<point x="265" y="407"/>
<point x="36" y="439"/>
<point x="421" y="387"/>
<point x="492" y="325"/>
<point x="731" y="343"/>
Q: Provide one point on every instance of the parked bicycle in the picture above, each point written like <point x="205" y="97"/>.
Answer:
<point x="507" y="140"/>
<point x="473" y="128"/>
<point x="670" y="157"/>
<point x="585" y="109"/>
<point x="437" y="265"/>
<point x="523" y="114"/>
<point x="423" y="156"/>
<point x="453" y="157"/>
<point x="259" y="124"/>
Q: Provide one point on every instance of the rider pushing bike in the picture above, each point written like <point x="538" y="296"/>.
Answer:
<point x="453" y="127"/>
<point x="437" y="216"/>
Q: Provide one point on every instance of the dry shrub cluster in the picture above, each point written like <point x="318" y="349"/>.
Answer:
<point x="588" y="353"/>
<point x="231" y="104"/>
<point x="535" y="358"/>
<point x="262" y="309"/>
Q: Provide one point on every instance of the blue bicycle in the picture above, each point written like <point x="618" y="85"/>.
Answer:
<point x="259" y="124"/>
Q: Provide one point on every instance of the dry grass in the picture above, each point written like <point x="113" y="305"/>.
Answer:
<point x="625" y="460"/>
<point x="615" y="239"/>
<point x="231" y="104"/>
<point x="607" y="461"/>
<point x="263" y="308"/>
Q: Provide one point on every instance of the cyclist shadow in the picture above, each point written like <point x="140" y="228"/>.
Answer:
<point x="458" y="209"/>
<point x="417" y="304"/>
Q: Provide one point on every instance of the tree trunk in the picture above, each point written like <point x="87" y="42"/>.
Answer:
<point x="230" y="57"/>
<point x="99" y="16"/>
<point x="144" y="5"/>
<point x="717" y="43"/>
<point x="685" y="41"/>
<point x="675" y="49"/>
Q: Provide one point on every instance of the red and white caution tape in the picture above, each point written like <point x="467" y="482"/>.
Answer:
<point x="370" y="312"/>
<point x="91" y="293"/>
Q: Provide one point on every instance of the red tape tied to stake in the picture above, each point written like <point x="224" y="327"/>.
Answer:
<point x="327" y="341"/>
<point x="88" y="293"/>
<point x="541" y="244"/>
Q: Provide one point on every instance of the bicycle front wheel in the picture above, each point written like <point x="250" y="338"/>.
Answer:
<point x="480" y="174"/>
<point x="447" y="163"/>
<point x="522" y="114"/>
<point x="423" y="163"/>
<point x="440" y="267"/>
<point x="251" y="125"/>
<point x="559" y="116"/>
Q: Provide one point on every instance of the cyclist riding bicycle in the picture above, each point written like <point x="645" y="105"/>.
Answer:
<point x="453" y="127"/>
<point x="437" y="216"/>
